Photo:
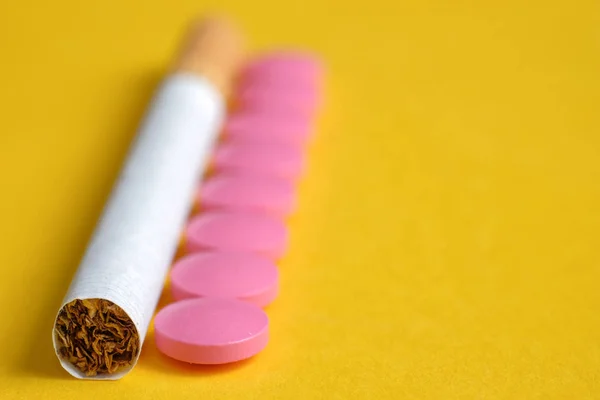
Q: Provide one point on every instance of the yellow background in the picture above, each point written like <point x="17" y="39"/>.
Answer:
<point x="446" y="244"/>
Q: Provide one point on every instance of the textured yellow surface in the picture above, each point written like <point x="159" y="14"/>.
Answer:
<point x="447" y="240"/>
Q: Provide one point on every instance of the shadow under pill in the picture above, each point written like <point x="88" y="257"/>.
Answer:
<point x="152" y="359"/>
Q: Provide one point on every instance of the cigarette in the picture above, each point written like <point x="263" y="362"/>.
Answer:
<point x="104" y="317"/>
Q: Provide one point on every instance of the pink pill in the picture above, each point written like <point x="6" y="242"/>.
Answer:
<point x="285" y="64"/>
<point x="288" y="86"/>
<point x="245" y="192"/>
<point x="279" y="100"/>
<point x="244" y="276"/>
<point x="211" y="330"/>
<point x="281" y="160"/>
<point x="262" y="125"/>
<point x="237" y="232"/>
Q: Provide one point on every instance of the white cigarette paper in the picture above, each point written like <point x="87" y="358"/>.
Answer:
<point x="130" y="252"/>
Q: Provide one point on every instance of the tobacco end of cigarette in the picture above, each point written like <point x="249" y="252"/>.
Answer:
<point x="96" y="336"/>
<point x="214" y="49"/>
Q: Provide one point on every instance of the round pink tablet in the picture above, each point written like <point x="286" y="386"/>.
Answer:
<point x="291" y="101"/>
<point x="237" y="232"/>
<point x="265" y="126"/>
<point x="243" y="276"/>
<point x="247" y="192"/>
<point x="285" y="64"/>
<point x="283" y="160"/>
<point x="211" y="330"/>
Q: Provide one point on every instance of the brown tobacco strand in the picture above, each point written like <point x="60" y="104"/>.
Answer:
<point x="97" y="336"/>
